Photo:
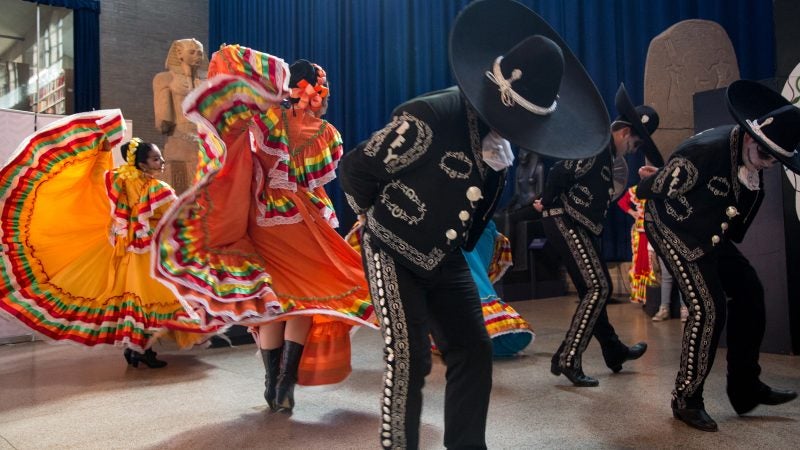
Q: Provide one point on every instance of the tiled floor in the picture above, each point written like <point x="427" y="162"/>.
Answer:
<point x="63" y="396"/>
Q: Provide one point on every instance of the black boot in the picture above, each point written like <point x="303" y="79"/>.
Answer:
<point x="272" y="364"/>
<point x="694" y="415"/>
<point x="633" y="352"/>
<point x="745" y="398"/>
<point x="576" y="376"/>
<point x="148" y="358"/>
<point x="290" y="361"/>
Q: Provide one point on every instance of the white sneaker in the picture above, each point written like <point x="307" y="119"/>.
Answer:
<point x="684" y="313"/>
<point x="662" y="314"/>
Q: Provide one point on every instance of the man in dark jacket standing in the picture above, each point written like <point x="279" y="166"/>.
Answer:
<point x="704" y="198"/>
<point x="427" y="183"/>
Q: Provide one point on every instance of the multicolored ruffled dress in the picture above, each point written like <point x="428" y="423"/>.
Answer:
<point x="641" y="274"/>
<point x="76" y="240"/>
<point x="253" y="241"/>
<point x="488" y="262"/>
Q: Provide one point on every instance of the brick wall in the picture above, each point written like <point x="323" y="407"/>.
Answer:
<point x="134" y="39"/>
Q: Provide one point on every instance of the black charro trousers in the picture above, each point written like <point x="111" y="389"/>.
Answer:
<point x="411" y="309"/>
<point x="579" y="251"/>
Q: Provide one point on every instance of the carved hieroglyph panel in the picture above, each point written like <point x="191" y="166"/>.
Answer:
<point x="690" y="56"/>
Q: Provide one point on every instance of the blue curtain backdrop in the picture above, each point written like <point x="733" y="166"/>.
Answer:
<point x="379" y="53"/>
<point x="86" y="39"/>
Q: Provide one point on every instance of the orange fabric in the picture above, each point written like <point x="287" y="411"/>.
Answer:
<point x="309" y="263"/>
<point x="326" y="355"/>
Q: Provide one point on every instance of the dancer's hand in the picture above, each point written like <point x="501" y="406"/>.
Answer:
<point x="646" y="171"/>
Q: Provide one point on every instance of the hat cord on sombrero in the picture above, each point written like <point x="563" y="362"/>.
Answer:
<point x="510" y="97"/>
<point x="756" y="128"/>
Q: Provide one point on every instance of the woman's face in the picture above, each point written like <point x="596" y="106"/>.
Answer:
<point x="154" y="164"/>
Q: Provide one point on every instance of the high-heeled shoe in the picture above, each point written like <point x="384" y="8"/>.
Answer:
<point x="128" y="354"/>
<point x="148" y="358"/>
<point x="272" y="363"/>
<point x="287" y="378"/>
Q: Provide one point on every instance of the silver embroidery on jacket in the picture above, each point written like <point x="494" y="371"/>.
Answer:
<point x="583" y="166"/>
<point x="678" y="177"/>
<point x="719" y="186"/>
<point x="461" y="159"/>
<point x="398" y="211"/>
<point x="581" y="195"/>
<point x="427" y="261"/>
<point x="678" y="207"/>
<point x="651" y="215"/>
<point x="354" y="205"/>
<point x="396" y="130"/>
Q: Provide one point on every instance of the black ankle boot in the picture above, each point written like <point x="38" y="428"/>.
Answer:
<point x="148" y="358"/>
<point x="272" y="364"/>
<point x="694" y="416"/>
<point x="290" y="361"/>
<point x="555" y="361"/>
<point x="633" y="352"/>
<point x="576" y="376"/>
<point x="745" y="398"/>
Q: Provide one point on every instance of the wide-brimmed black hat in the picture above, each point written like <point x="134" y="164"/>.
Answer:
<point x="644" y="122"/>
<point x="525" y="83"/>
<point x="769" y="118"/>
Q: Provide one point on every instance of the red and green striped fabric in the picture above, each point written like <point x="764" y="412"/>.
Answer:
<point x="58" y="276"/>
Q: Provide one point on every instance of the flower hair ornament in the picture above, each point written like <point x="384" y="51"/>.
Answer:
<point x="309" y="96"/>
<point x="129" y="169"/>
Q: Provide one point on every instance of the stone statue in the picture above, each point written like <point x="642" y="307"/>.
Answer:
<point x="528" y="179"/>
<point x="184" y="64"/>
<point x="691" y="56"/>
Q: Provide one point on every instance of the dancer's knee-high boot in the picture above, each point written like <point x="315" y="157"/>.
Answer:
<point x="272" y="363"/>
<point x="290" y="361"/>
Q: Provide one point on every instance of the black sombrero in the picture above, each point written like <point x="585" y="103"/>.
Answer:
<point x="768" y="118"/>
<point x="537" y="95"/>
<point x="644" y="121"/>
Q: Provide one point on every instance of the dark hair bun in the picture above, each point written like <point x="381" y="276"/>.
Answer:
<point x="302" y="70"/>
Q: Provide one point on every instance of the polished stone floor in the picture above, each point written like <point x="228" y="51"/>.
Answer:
<point x="64" y="396"/>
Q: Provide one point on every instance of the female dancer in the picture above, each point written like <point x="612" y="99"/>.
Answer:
<point x="488" y="261"/>
<point x="76" y="239"/>
<point x="253" y="242"/>
<point x="641" y="274"/>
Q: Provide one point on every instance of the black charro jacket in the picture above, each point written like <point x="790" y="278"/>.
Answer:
<point x="582" y="189"/>
<point x="422" y="183"/>
<point x="696" y="200"/>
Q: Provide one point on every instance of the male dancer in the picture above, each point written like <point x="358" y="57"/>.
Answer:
<point x="427" y="183"/>
<point x="705" y="197"/>
<point x="573" y="205"/>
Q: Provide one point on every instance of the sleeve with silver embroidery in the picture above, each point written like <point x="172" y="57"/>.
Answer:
<point x="399" y="144"/>
<point x="676" y="178"/>
<point x="358" y="209"/>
